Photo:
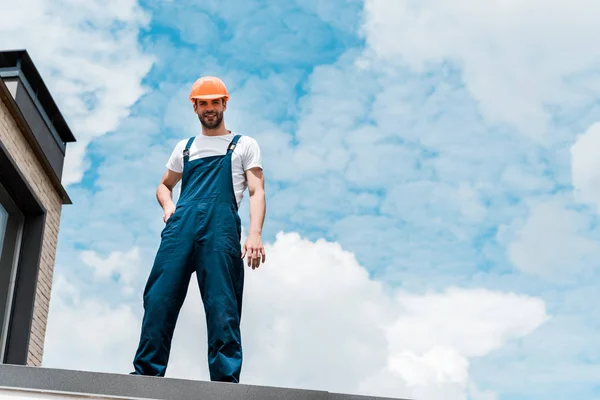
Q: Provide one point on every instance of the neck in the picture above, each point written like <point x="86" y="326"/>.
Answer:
<point x="218" y="131"/>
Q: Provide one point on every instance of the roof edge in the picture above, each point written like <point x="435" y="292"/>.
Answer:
<point x="27" y="67"/>
<point x="14" y="110"/>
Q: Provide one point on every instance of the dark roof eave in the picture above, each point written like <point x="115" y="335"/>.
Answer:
<point x="34" y="78"/>
<point x="14" y="110"/>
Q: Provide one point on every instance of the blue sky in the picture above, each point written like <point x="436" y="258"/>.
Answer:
<point x="432" y="188"/>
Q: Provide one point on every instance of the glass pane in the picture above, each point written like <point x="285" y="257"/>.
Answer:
<point x="11" y="224"/>
<point x="3" y="222"/>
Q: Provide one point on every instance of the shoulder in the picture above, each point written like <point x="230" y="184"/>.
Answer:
<point x="175" y="162"/>
<point x="177" y="152"/>
<point x="181" y="144"/>
<point x="248" y="142"/>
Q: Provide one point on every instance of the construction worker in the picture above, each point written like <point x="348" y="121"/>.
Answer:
<point x="202" y="235"/>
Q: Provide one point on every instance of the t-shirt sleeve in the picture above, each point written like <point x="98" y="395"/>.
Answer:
<point x="175" y="162"/>
<point x="252" y="157"/>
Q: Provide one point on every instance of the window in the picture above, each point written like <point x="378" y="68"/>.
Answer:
<point x="11" y="226"/>
<point x="3" y="223"/>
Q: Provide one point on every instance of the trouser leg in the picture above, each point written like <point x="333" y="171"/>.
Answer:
<point x="164" y="295"/>
<point x="221" y="280"/>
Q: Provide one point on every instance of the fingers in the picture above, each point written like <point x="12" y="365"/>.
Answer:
<point x="254" y="255"/>
<point x="167" y="215"/>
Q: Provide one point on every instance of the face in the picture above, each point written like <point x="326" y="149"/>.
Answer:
<point x="210" y="112"/>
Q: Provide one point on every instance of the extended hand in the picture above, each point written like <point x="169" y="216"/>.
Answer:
<point x="255" y="250"/>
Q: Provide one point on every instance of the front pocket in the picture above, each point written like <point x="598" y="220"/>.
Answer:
<point x="172" y="226"/>
<point x="228" y="235"/>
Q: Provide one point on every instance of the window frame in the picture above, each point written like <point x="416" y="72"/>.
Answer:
<point x="10" y="242"/>
<point x="20" y="322"/>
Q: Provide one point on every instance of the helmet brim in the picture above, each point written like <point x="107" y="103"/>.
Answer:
<point x="210" y="97"/>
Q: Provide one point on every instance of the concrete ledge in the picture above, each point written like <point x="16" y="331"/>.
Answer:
<point x="145" y="387"/>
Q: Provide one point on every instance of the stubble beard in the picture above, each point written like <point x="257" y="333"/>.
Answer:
<point x="215" y="123"/>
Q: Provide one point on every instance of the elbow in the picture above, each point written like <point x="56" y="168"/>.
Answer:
<point x="257" y="193"/>
<point x="162" y="188"/>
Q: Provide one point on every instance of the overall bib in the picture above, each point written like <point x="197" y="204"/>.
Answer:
<point x="203" y="236"/>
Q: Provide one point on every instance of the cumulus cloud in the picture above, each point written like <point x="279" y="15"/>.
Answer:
<point x="431" y="200"/>
<point x="89" y="56"/>
<point x="119" y="265"/>
<point x="434" y="335"/>
<point x="552" y="243"/>
<point x="86" y="333"/>
<point x="516" y="57"/>
<point x="478" y="394"/>
<point x="313" y="318"/>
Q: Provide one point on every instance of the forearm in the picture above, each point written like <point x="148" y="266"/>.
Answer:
<point x="164" y="195"/>
<point x="258" y="209"/>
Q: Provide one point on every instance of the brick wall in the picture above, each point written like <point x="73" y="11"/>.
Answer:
<point x="31" y="168"/>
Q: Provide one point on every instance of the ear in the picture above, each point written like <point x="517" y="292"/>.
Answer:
<point x="196" y="105"/>
<point x="224" y="104"/>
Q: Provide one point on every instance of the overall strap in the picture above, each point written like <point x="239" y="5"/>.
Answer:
<point x="233" y="143"/>
<point x="186" y="151"/>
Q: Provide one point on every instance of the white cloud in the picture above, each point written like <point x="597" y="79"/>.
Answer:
<point x="441" y="318"/>
<point x="122" y="265"/>
<point x="313" y="318"/>
<point x="340" y="14"/>
<point x="478" y="394"/>
<point x="526" y="177"/>
<point x="434" y="335"/>
<point x="585" y="166"/>
<point x="516" y="57"/>
<point x="552" y="242"/>
<point x="88" y="55"/>
<point x="431" y="201"/>
<point x="86" y="333"/>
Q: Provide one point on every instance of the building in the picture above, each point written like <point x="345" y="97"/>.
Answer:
<point x="33" y="141"/>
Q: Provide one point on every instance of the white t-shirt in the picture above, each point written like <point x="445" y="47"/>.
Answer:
<point x="246" y="155"/>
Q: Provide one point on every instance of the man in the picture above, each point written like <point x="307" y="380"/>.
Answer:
<point x="202" y="235"/>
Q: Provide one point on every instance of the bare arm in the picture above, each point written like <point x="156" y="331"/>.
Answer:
<point x="164" y="192"/>
<point x="258" y="206"/>
<point x="253" y="246"/>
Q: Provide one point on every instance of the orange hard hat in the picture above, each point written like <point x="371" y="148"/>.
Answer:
<point x="208" y="88"/>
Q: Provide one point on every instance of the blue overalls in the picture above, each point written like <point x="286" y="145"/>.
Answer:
<point x="203" y="236"/>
